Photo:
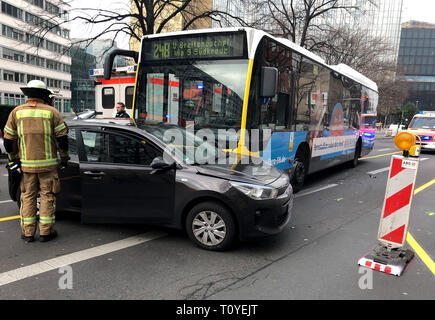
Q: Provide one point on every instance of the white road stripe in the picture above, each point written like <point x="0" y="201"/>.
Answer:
<point x="385" y="149"/>
<point x="68" y="259"/>
<point x="388" y="168"/>
<point x="5" y="201"/>
<point x="314" y="190"/>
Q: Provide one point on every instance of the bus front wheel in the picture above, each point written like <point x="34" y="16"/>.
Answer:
<point x="299" y="172"/>
<point x="354" y="162"/>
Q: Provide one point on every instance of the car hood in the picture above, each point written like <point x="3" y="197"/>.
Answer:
<point x="262" y="174"/>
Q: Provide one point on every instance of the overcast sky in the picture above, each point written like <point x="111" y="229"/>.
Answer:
<point x="421" y="10"/>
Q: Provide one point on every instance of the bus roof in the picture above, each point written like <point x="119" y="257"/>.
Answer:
<point x="254" y="38"/>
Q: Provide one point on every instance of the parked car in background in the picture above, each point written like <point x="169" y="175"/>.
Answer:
<point x="394" y="129"/>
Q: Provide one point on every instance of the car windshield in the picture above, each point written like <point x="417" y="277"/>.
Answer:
<point x="184" y="144"/>
<point x="422" y="123"/>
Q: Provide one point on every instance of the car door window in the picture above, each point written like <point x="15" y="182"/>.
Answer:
<point x="94" y="146"/>
<point x="116" y="148"/>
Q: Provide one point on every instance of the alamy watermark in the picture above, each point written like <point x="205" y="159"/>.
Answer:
<point x="218" y="147"/>
<point x="366" y="280"/>
<point x="66" y="280"/>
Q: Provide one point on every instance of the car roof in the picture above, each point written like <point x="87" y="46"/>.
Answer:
<point x="119" y="127"/>
<point x="132" y="129"/>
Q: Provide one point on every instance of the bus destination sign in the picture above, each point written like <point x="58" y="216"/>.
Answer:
<point x="196" y="46"/>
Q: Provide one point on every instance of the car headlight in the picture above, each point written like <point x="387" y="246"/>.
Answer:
<point x="255" y="191"/>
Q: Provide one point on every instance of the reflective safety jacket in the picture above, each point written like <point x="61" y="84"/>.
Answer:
<point x="35" y="126"/>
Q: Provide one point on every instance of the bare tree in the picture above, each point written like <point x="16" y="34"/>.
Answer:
<point x="135" y="18"/>
<point x="371" y="56"/>
<point x="300" y="20"/>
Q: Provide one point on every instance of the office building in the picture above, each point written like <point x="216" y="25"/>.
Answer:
<point x="34" y="44"/>
<point x="82" y="85"/>
<point x="381" y="19"/>
<point x="416" y="63"/>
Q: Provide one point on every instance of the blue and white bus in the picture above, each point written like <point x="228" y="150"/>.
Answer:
<point x="244" y="79"/>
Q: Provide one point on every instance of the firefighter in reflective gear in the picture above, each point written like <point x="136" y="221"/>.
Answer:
<point x="35" y="132"/>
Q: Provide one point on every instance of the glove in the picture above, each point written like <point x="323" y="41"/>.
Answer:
<point x="63" y="163"/>
<point x="14" y="166"/>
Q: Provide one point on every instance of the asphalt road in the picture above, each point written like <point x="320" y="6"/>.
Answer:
<point x="334" y="223"/>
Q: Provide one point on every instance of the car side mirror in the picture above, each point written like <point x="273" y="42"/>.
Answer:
<point x="269" y="82"/>
<point x="159" y="164"/>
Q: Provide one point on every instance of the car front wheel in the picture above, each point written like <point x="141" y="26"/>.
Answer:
<point x="211" y="226"/>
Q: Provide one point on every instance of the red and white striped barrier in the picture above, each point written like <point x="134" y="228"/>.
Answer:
<point x="389" y="256"/>
<point x="390" y="269"/>
<point x="398" y="199"/>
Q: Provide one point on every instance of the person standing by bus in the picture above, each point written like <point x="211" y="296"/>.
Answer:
<point x="35" y="132"/>
<point x="120" y="111"/>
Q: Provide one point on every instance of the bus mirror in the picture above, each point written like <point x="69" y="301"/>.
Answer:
<point x="269" y="82"/>
<point x="108" y="63"/>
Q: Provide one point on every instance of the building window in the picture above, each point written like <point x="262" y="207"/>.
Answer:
<point x="36" y="61"/>
<point x="14" y="99"/>
<point x="34" y="40"/>
<point x="66" y="105"/>
<point x="53" y="83"/>
<point x="51" y="8"/>
<point x="13" y="76"/>
<point x="12" y="33"/>
<point x="12" y="11"/>
<point x="38" y="3"/>
<point x="32" y="19"/>
<point x="31" y="77"/>
<point x="65" y="33"/>
<point x="13" y="55"/>
<point x="54" y="47"/>
<point x="53" y="65"/>
<point x="58" y="104"/>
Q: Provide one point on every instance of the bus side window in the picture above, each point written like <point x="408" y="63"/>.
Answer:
<point x="304" y="99"/>
<point x="276" y="113"/>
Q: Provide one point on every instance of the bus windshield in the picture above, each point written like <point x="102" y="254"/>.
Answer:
<point x="208" y="92"/>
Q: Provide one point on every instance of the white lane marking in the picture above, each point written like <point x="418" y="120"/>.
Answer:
<point x="385" y="149"/>
<point x="314" y="190"/>
<point x="388" y="168"/>
<point x="5" y="175"/>
<point x="6" y="201"/>
<point x="68" y="259"/>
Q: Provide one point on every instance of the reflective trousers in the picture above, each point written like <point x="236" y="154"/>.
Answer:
<point x="47" y="185"/>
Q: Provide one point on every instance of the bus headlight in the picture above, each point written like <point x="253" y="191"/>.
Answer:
<point x="255" y="191"/>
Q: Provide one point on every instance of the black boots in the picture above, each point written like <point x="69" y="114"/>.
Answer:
<point x="27" y="239"/>
<point x="49" y="237"/>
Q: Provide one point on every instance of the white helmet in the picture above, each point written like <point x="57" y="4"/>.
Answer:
<point x="36" y="89"/>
